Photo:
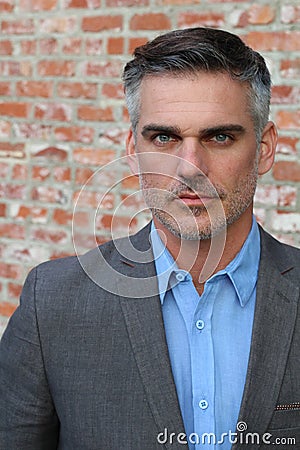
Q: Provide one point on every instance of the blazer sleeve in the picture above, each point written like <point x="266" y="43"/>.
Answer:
<point x="28" y="420"/>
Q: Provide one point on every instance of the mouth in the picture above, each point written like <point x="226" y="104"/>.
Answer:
<point x="193" y="199"/>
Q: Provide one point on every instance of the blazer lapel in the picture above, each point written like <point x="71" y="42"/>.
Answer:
<point x="145" y="327"/>
<point x="274" y="321"/>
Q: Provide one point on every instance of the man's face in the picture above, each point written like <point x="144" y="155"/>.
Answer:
<point x="196" y="152"/>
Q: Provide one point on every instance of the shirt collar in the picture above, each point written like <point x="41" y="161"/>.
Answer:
<point x="242" y="270"/>
<point x="164" y="263"/>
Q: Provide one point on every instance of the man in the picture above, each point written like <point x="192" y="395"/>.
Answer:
<point x="187" y="334"/>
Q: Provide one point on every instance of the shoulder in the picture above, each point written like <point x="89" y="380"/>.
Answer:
<point x="285" y="258"/>
<point x="279" y="249"/>
<point x="75" y="270"/>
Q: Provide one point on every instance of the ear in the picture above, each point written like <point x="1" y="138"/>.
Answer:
<point x="267" y="148"/>
<point x="131" y="153"/>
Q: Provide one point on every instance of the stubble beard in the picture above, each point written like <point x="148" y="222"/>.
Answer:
<point x="199" y="222"/>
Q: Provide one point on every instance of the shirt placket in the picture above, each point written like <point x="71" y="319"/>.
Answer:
<point x="203" y="370"/>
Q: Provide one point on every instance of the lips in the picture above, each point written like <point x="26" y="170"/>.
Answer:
<point x="192" y="199"/>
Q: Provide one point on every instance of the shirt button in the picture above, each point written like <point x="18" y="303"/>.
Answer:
<point x="203" y="404"/>
<point x="200" y="324"/>
<point x="180" y="276"/>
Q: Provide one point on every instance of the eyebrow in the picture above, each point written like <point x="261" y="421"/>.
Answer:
<point x="210" y="131"/>
<point x="152" y="127"/>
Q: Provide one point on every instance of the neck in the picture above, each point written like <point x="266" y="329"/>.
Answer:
<point x="203" y="258"/>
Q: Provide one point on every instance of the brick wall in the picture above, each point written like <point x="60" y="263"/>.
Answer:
<point x="62" y="119"/>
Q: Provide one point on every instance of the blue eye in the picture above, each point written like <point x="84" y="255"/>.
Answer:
<point x="163" y="138"/>
<point x="221" y="137"/>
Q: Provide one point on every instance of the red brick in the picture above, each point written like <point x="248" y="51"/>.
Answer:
<point x="32" y="131"/>
<point x="285" y="94"/>
<point x="5" y="88"/>
<point x="4" y="169"/>
<point x="40" y="173"/>
<point x="270" y="41"/>
<point x="62" y="174"/>
<point x="100" y="23"/>
<point x="286" y="171"/>
<point x="227" y="1"/>
<point x="53" y="111"/>
<point x="14" y="109"/>
<point x="136" y="42"/>
<point x="61" y="254"/>
<point x="82" y="175"/>
<point x="132" y="203"/>
<point x="25" y="26"/>
<point x="93" y="157"/>
<point x="14" y="68"/>
<point x="7" y="5"/>
<point x="14" y="290"/>
<point x="287" y="196"/>
<point x="33" y="214"/>
<point x="82" y="219"/>
<point x="20" y="172"/>
<point x="58" y="24"/>
<point x="52" y="154"/>
<point x="150" y="21"/>
<point x="93" y="199"/>
<point x="12" y="231"/>
<point x="49" y="194"/>
<point x="287" y="222"/>
<point x="72" y="46"/>
<point x="120" y="3"/>
<point x="13" y="271"/>
<point x="77" y="134"/>
<point x="6" y="308"/>
<point x="49" y="236"/>
<point x="130" y="182"/>
<point x="28" y="47"/>
<point x="115" y="45"/>
<point x="93" y="113"/>
<point x="2" y="209"/>
<point x="6" y="48"/>
<point x="113" y="224"/>
<point x="111" y="90"/>
<point x="287" y="145"/>
<point x="290" y="14"/>
<point x="105" y="69"/>
<point x="48" y="46"/>
<point x="288" y="120"/>
<point x="37" y="5"/>
<point x="56" y="68"/>
<point x="62" y="217"/>
<point x="93" y="46"/>
<point x="208" y="19"/>
<point x="77" y="90"/>
<point x="12" y="191"/>
<point x="83" y="3"/>
<point x="11" y="150"/>
<point x="5" y="128"/>
<point x="34" y="88"/>
<point x="290" y="68"/>
<point x="256" y="15"/>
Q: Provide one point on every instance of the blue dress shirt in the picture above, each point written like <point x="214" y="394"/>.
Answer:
<point x="209" y="339"/>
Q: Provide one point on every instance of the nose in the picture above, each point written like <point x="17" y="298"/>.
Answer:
<point x="192" y="160"/>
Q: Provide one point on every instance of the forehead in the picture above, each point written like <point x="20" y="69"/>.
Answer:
<point x="199" y="97"/>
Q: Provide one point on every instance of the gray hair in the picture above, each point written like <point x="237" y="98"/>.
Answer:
<point x="188" y="51"/>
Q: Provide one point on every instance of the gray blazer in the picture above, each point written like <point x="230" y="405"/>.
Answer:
<point x="82" y="368"/>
